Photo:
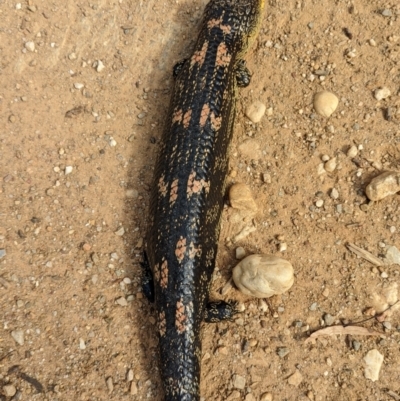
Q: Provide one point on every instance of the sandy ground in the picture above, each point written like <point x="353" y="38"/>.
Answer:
<point x="74" y="323"/>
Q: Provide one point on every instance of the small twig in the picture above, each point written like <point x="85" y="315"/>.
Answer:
<point x="394" y="395"/>
<point x="365" y="254"/>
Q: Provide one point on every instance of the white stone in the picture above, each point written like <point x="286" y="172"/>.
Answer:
<point x="263" y="276"/>
<point x="334" y="193"/>
<point x="373" y="361"/>
<point x="382" y="93"/>
<point x="256" y="111"/>
<point x="325" y="103"/>
<point x="68" y="170"/>
<point x="385" y="184"/>
<point x="100" y="66"/>
<point x="82" y="344"/>
<point x="30" y="46"/>
<point x="78" y="85"/>
<point x="18" y="336"/>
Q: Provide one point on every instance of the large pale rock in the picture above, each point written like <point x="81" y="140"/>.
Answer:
<point x="383" y="185"/>
<point x="263" y="276"/>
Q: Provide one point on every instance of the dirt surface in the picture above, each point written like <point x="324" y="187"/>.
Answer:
<point x="74" y="323"/>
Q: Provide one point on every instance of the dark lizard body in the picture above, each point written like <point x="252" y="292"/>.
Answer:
<point x="189" y="185"/>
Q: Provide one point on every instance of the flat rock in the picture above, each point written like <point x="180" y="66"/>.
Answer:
<point x="385" y="184"/>
<point x="240" y="197"/>
<point x="373" y="361"/>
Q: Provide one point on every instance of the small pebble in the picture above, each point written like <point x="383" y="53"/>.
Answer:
<point x="9" y="390"/>
<point x="100" y="66"/>
<point x="352" y="152"/>
<point x="239" y="382"/>
<point x="122" y="301"/>
<point x="313" y="306"/>
<point x="82" y="344"/>
<point x="329" y="319"/>
<point x="387" y="325"/>
<point x="240" y="253"/>
<point x="120" y="232"/>
<point x="330" y="165"/>
<point x="129" y="376"/>
<point x="266" y="397"/>
<point x="256" y="111"/>
<point x="68" y="170"/>
<point x="131" y="193"/>
<point x="283" y="247"/>
<point x="134" y="388"/>
<point x="384" y="275"/>
<point x="334" y="193"/>
<point x="319" y="203"/>
<point x="325" y="103"/>
<point x="30" y="46"/>
<point x="385" y="184"/>
<point x="356" y="345"/>
<point x="373" y="361"/>
<point x="18" y="336"/>
<point x="295" y="379"/>
<point x="86" y="247"/>
<point x="387" y="12"/>
<point x="392" y="256"/>
<point x="95" y="278"/>
<point x="110" y="384"/>
<point x="382" y="93"/>
<point x="282" y="351"/>
<point x="78" y="85"/>
<point x="112" y="142"/>
<point x="2" y="253"/>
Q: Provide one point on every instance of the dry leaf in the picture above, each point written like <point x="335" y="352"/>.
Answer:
<point x="365" y="254"/>
<point x="335" y="330"/>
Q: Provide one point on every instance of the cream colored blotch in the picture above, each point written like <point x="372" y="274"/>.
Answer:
<point x="263" y="276"/>
<point x="325" y="103"/>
